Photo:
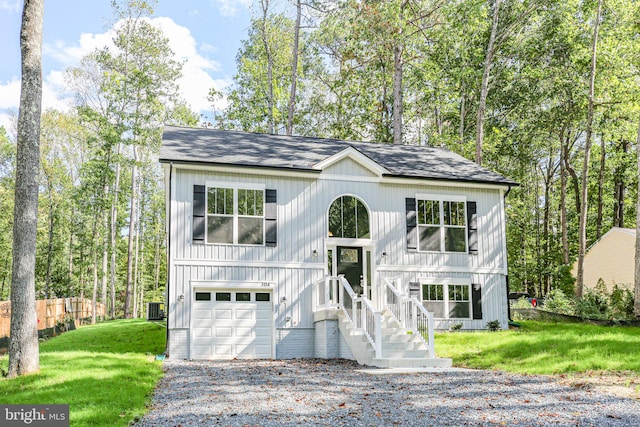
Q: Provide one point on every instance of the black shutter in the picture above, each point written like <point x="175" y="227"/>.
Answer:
<point x="412" y="228"/>
<point x="199" y="212"/>
<point x="271" y="218"/>
<point x="472" y="227"/>
<point x="476" y="300"/>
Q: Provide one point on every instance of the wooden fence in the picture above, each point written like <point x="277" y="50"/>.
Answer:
<point x="52" y="311"/>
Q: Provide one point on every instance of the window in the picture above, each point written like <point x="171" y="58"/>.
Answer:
<point x="441" y="225"/>
<point x="243" y="296"/>
<point x="348" y="218"/>
<point x="235" y="216"/>
<point x="203" y="296"/>
<point x="263" y="296"/>
<point x="447" y="301"/>
<point x="223" y="296"/>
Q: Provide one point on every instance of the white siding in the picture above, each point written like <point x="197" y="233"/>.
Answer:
<point x="303" y="204"/>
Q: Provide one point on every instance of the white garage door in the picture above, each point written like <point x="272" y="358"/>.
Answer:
<point x="232" y="324"/>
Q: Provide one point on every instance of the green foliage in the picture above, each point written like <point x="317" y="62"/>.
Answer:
<point x="493" y="325"/>
<point x="105" y="373"/>
<point x="557" y="301"/>
<point x="545" y="348"/>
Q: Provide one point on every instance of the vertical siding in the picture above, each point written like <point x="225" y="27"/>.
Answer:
<point x="302" y="228"/>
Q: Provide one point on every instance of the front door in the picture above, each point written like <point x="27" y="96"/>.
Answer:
<point x="349" y="263"/>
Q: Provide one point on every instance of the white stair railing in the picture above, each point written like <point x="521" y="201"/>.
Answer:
<point x="335" y="292"/>
<point x="408" y="312"/>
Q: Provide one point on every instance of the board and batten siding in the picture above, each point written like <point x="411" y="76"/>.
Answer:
<point x="302" y="206"/>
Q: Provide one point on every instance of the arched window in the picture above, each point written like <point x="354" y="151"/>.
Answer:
<point x="348" y="218"/>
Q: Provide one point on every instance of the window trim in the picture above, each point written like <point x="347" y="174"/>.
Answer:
<point x="441" y="198"/>
<point x="235" y="221"/>
<point x="445" y="291"/>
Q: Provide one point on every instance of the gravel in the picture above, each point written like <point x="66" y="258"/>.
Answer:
<point x="339" y="393"/>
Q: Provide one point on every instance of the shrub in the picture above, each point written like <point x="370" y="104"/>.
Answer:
<point x="557" y="302"/>
<point x="522" y="303"/>
<point x="493" y="325"/>
<point x="455" y="327"/>
<point x="620" y="303"/>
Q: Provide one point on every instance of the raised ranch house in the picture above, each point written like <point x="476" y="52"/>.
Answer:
<point x="289" y="247"/>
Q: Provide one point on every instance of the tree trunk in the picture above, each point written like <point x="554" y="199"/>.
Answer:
<point x="294" y="68"/>
<point x="603" y="158"/>
<point x="24" y="357"/>
<point x="47" y="280"/>
<point x="636" y="305"/>
<point x="132" y="231"/>
<point x="484" y="87"/>
<point x="619" y="188"/>
<point x="563" y="205"/>
<point x="114" y="230"/>
<point x="587" y="151"/>
<point x="267" y="49"/>
<point x="94" y="295"/>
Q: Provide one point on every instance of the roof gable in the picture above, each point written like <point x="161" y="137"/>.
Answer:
<point x="204" y="146"/>
<point x="351" y="162"/>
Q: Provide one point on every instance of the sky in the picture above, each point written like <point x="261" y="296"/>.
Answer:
<point x="205" y="33"/>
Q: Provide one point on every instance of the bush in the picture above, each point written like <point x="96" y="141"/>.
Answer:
<point x="522" y="303"/>
<point x="557" y="302"/>
<point x="621" y="303"/>
<point x="493" y="325"/>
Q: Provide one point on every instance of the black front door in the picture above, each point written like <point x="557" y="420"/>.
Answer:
<point x="349" y="263"/>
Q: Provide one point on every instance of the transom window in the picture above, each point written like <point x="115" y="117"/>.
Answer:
<point x="442" y="225"/>
<point x="348" y="218"/>
<point x="447" y="301"/>
<point x="235" y="216"/>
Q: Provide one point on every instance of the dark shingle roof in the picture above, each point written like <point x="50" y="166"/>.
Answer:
<point x="222" y="147"/>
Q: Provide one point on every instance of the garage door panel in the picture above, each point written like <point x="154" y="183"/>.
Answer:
<point x="223" y="313"/>
<point x="244" y="313"/>
<point x="223" y="331"/>
<point x="232" y="329"/>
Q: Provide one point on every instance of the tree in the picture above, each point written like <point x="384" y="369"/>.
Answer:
<point x="587" y="148"/>
<point x="636" y="306"/>
<point x="24" y="355"/>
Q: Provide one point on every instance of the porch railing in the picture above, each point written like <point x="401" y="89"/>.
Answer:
<point x="335" y="292"/>
<point x="408" y="312"/>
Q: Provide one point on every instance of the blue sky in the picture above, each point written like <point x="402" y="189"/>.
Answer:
<point x="205" y="33"/>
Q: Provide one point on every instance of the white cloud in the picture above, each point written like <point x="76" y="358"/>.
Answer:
<point x="194" y="84"/>
<point x="231" y="7"/>
<point x="10" y="94"/>
<point x="11" y="6"/>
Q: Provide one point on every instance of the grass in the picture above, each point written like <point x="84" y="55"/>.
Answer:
<point x="104" y="372"/>
<point x="545" y="348"/>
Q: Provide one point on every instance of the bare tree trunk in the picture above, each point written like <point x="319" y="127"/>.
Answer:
<point x="132" y="231"/>
<point x="47" y="280"/>
<point x="94" y="295"/>
<point x="619" y="189"/>
<point x="114" y="243"/>
<point x="484" y="87"/>
<point x="636" y="305"/>
<point x="267" y="48"/>
<point x="603" y="158"/>
<point x="587" y="151"/>
<point x="463" y="114"/>
<point x="294" y="68"/>
<point x="24" y="357"/>
<point x="563" y="205"/>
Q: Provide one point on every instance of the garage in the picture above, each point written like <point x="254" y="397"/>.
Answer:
<point x="229" y="324"/>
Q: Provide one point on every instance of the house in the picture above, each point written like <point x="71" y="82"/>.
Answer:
<point x="290" y="247"/>
<point x="611" y="258"/>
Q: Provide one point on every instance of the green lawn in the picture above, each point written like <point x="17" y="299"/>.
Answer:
<point x="105" y="372"/>
<point x="545" y="348"/>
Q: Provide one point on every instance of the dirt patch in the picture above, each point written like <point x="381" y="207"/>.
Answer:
<point x="622" y="384"/>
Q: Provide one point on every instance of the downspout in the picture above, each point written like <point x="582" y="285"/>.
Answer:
<point x="168" y="287"/>
<point x="506" y="256"/>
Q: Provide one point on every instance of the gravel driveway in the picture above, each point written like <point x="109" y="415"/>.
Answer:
<point x="338" y="393"/>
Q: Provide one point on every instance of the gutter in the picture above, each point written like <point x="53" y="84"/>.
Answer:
<point x="168" y="283"/>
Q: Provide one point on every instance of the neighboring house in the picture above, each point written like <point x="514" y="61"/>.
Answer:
<point x="611" y="258"/>
<point x="289" y="247"/>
